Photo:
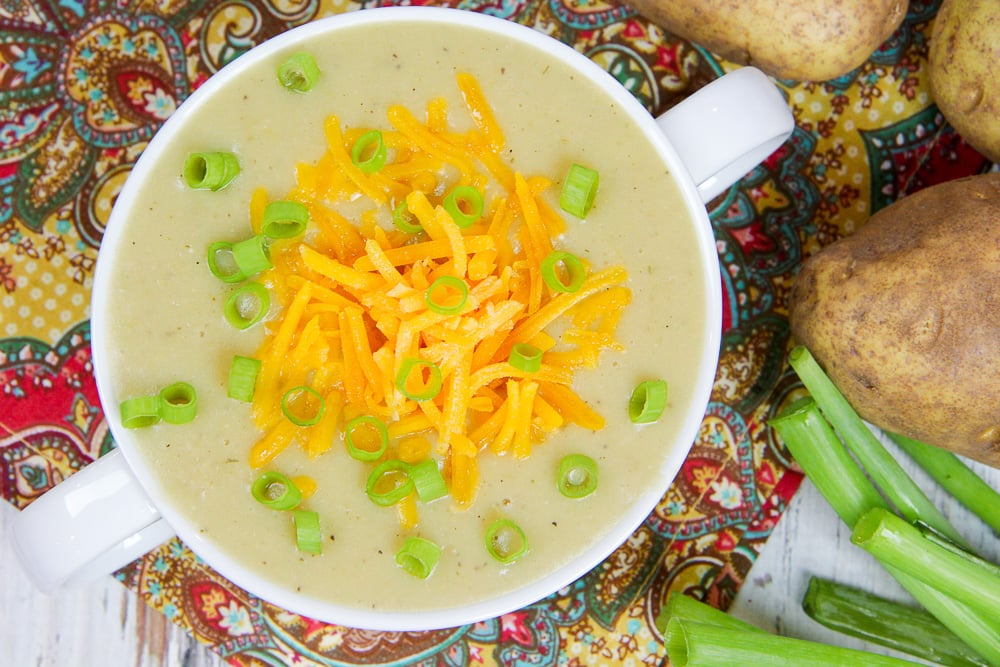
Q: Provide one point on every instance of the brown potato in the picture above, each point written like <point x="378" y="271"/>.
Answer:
<point x="904" y="316"/>
<point x="814" y="40"/>
<point x="962" y="70"/>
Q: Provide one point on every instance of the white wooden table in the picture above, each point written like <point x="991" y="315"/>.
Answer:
<point x="106" y="624"/>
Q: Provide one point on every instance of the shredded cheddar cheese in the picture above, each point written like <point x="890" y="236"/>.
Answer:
<point x="353" y="306"/>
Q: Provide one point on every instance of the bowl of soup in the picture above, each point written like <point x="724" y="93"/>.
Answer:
<point x="406" y="318"/>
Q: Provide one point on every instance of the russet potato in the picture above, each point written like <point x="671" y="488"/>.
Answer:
<point x="904" y="316"/>
<point x="963" y="72"/>
<point x="813" y="40"/>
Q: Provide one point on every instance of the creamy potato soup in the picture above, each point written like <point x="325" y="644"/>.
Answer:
<point x="165" y="319"/>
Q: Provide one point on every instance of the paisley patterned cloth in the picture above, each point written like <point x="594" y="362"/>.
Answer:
<point x="84" y="84"/>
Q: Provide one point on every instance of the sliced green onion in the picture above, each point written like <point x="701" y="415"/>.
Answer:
<point x="524" y="357"/>
<point x="243" y="372"/>
<point x="395" y="475"/>
<point x="572" y="267"/>
<point x="140" y="412"/>
<point x="505" y="541"/>
<point x="456" y="295"/>
<point x="411" y="372"/>
<point x="404" y="220"/>
<point x="178" y="403"/>
<point x="465" y="205"/>
<point x="369" y="153"/>
<point x="577" y="476"/>
<point x="277" y="491"/>
<point x="303" y="406"/>
<point x="247" y="305"/>
<point x="222" y="263"/>
<point x="308" y="538"/>
<point x="900" y="627"/>
<point x="579" y="190"/>
<point x="427" y="480"/>
<point x="352" y="430"/>
<point x="284" y="219"/>
<point x="210" y="171"/>
<point x="647" y="402"/>
<point x="418" y="556"/>
<point x="251" y="255"/>
<point x="299" y="73"/>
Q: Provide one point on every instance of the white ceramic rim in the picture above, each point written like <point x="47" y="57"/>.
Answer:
<point x="628" y="523"/>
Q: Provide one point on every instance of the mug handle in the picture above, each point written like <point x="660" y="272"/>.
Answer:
<point x="727" y="128"/>
<point x="95" y="522"/>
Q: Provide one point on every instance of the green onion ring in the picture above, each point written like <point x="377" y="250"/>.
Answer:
<point x="299" y="73"/>
<point x="178" y="403"/>
<point x="366" y="454"/>
<point x="505" y="541"/>
<point x="140" y="412"/>
<point x="524" y="357"/>
<point x="647" y="402"/>
<point x="577" y="476"/>
<point x="465" y="205"/>
<point x="371" y="144"/>
<point x="428" y="481"/>
<point x="243" y="372"/>
<point x="579" y="190"/>
<point x="399" y="491"/>
<point x="451" y="284"/>
<point x="210" y="171"/>
<point x="226" y="271"/>
<point x="294" y="395"/>
<point x="410" y="368"/>
<point x="575" y="272"/>
<point x="251" y="255"/>
<point x="308" y="538"/>
<point x="247" y="305"/>
<point x="404" y="220"/>
<point x="277" y="491"/>
<point x="418" y="556"/>
<point x="284" y="219"/>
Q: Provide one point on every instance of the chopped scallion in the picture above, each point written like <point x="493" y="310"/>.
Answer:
<point x="577" y="476"/>
<point x="352" y="435"/>
<point x="563" y="272"/>
<point x="284" y="219"/>
<point x="369" y="152"/>
<point x="447" y="295"/>
<point x="428" y="481"/>
<point x="178" y="403"/>
<point x="579" y="190"/>
<point x="505" y="541"/>
<point x="247" y="305"/>
<point x="140" y="412"/>
<point x="524" y="357"/>
<point x="251" y="255"/>
<point x="222" y="263"/>
<point x="299" y="73"/>
<point x="389" y="482"/>
<point x="210" y="171"/>
<point x="243" y="373"/>
<point x="647" y="402"/>
<point x="308" y="538"/>
<point x="405" y="221"/>
<point x="418" y="556"/>
<point x="465" y="205"/>
<point x="410" y="380"/>
<point x="277" y="491"/>
<point x="303" y="406"/>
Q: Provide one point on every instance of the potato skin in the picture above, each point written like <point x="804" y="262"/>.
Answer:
<point x="811" y="40"/>
<point x="904" y="316"/>
<point x="962" y="71"/>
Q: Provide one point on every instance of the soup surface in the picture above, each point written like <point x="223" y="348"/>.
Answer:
<point x="166" y="325"/>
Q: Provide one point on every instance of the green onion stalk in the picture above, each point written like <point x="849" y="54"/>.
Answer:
<point x="954" y="477"/>
<point x="901" y="627"/>
<point x="826" y="461"/>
